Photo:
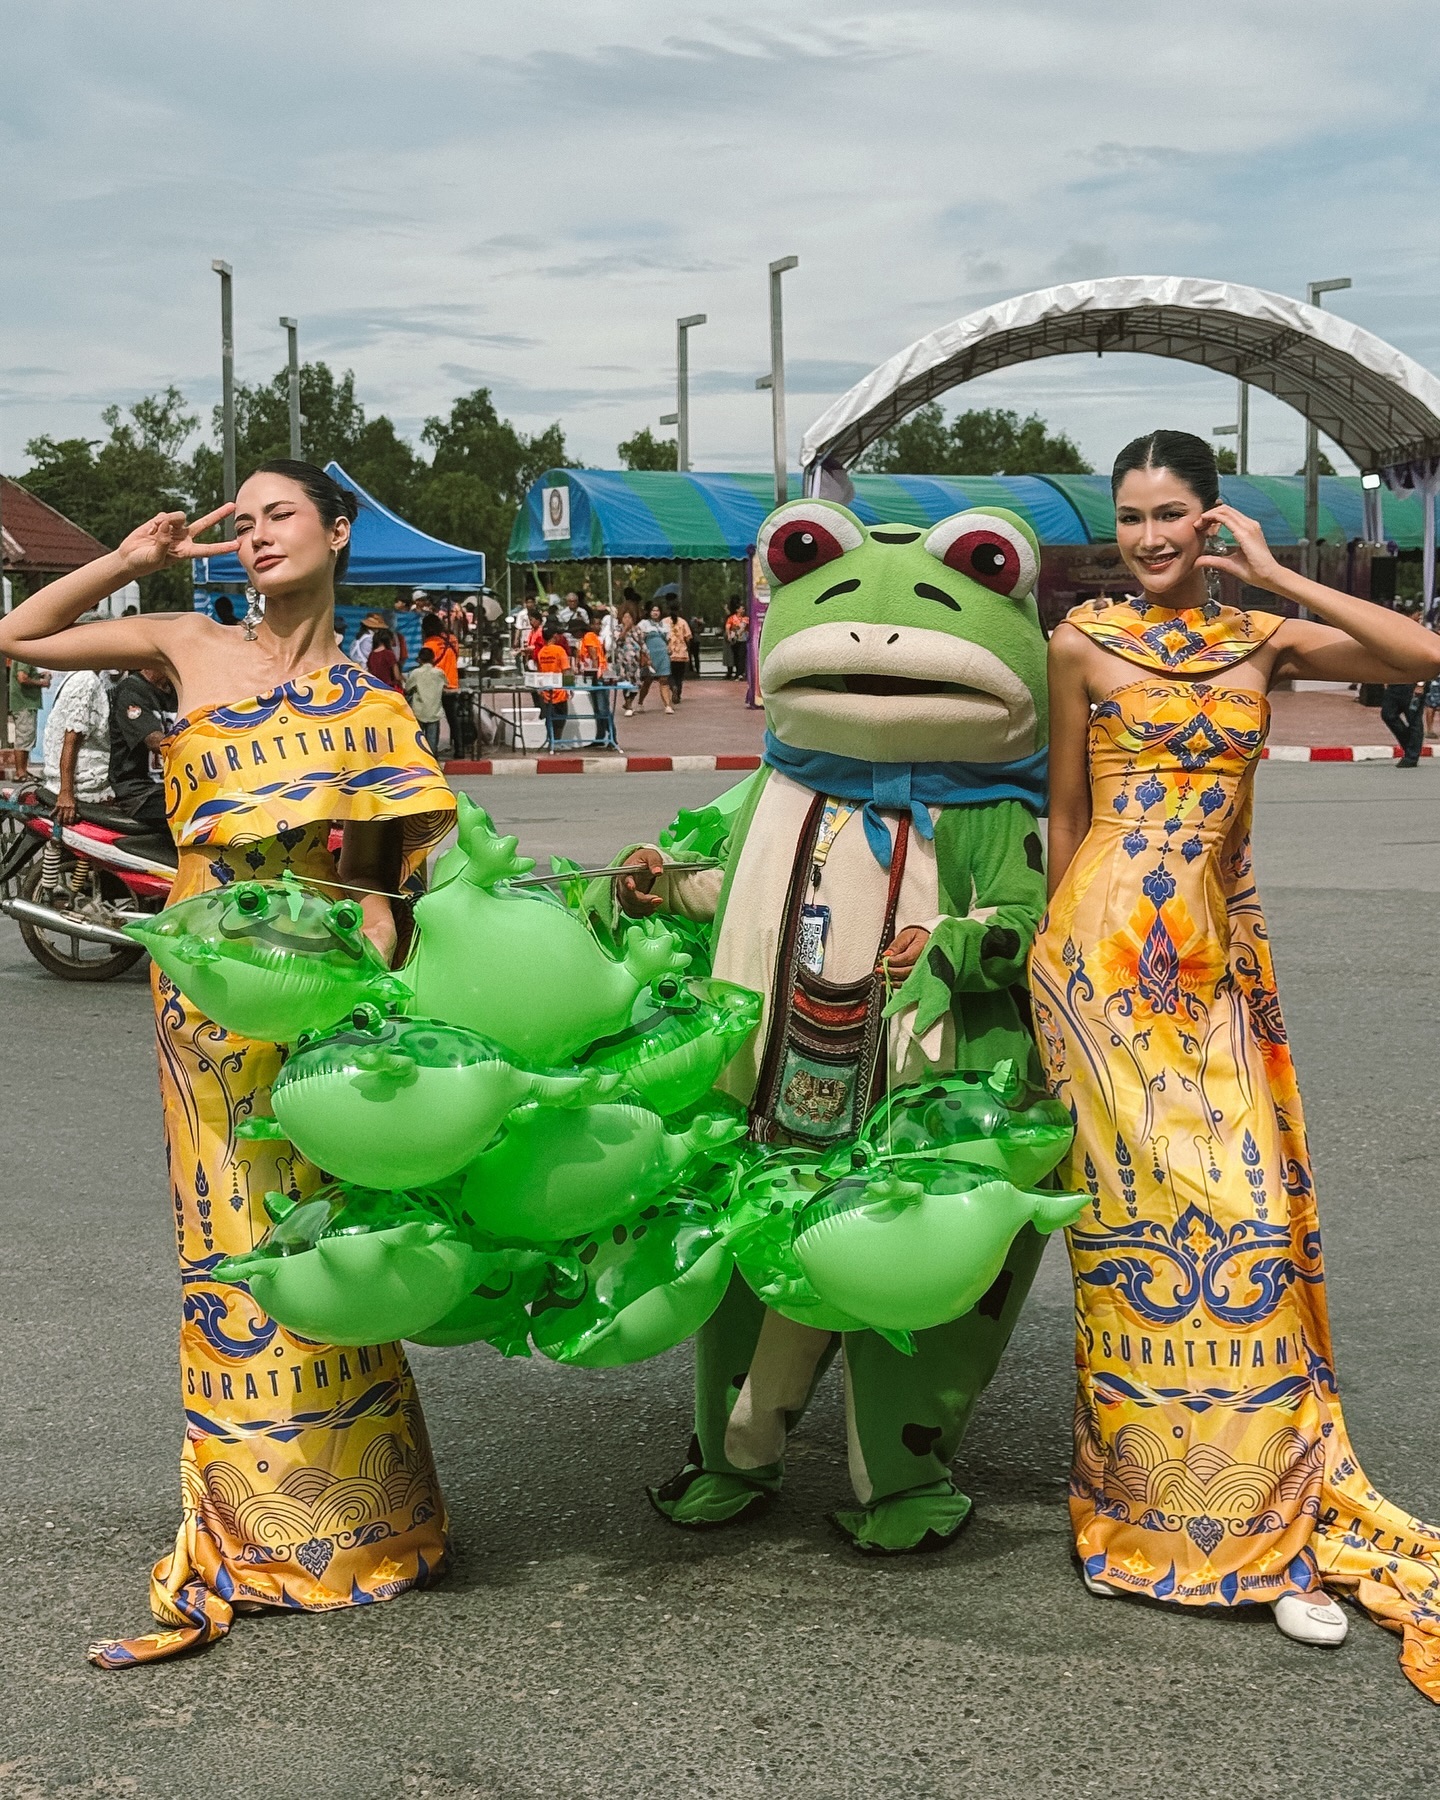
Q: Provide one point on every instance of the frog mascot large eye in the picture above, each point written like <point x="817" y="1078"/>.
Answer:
<point x="894" y="824"/>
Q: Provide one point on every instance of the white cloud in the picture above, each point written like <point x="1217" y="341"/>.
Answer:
<point x="449" y="194"/>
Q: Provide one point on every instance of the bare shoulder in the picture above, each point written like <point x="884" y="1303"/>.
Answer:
<point x="1070" y="649"/>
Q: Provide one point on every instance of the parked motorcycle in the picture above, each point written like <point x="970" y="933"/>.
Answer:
<point x="70" y="888"/>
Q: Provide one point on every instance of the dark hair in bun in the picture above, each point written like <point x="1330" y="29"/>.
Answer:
<point x="1183" y="454"/>
<point x="330" y="500"/>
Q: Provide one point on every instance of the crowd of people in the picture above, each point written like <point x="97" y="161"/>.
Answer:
<point x="625" y="652"/>
<point x="628" y="650"/>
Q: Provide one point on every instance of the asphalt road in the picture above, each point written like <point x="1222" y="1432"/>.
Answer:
<point x="582" y="1647"/>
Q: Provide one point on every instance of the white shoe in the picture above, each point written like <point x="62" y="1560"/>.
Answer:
<point x="1100" y="1589"/>
<point x="1311" y="1622"/>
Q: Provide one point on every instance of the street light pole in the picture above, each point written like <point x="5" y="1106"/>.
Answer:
<point x="292" y="333"/>
<point x="227" y="375"/>
<point x="1242" y="441"/>
<point x="777" y="376"/>
<point x="682" y="389"/>
<point x="1312" y="452"/>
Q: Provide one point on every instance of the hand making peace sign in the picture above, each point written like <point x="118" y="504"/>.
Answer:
<point x="167" y="539"/>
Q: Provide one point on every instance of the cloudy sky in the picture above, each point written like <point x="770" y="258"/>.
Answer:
<point x="456" y="193"/>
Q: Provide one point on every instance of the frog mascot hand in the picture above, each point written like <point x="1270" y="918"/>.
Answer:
<point x="903" y="671"/>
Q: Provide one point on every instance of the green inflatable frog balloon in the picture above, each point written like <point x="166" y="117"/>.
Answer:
<point x="555" y="1175"/>
<point x="760" y="1224"/>
<point x="681" y="1035"/>
<point x="517" y="965"/>
<point x="268" y="959"/>
<point x="395" y="1102"/>
<point x="508" y="1279"/>
<point x="921" y="1243"/>
<point x="643" y="1289"/>
<point x="356" y="1266"/>
<point x="987" y="1120"/>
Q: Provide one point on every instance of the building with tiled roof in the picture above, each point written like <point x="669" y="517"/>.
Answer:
<point x="37" y="540"/>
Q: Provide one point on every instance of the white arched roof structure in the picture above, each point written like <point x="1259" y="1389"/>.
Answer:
<point x="1379" y="406"/>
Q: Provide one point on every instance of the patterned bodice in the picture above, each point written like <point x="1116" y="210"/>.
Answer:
<point x="1172" y="762"/>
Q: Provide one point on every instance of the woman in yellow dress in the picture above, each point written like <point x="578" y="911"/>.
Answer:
<point x="306" y="1475"/>
<point x="1212" y="1465"/>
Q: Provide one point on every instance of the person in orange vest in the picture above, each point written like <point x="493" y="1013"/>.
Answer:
<point x="553" y="658"/>
<point x="445" y="647"/>
<point x="596" y="665"/>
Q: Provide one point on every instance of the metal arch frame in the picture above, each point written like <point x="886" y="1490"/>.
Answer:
<point x="1379" y="406"/>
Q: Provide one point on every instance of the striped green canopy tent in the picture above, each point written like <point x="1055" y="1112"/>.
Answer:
<point x="652" y="516"/>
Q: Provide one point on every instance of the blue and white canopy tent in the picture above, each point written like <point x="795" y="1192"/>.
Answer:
<point x="644" y="516"/>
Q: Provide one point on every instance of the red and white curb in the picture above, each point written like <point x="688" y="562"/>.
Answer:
<point x="1336" y="752"/>
<point x="602" y="765"/>
<point x="705" y="765"/>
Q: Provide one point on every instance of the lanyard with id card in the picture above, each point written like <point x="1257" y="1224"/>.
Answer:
<point x="815" y="918"/>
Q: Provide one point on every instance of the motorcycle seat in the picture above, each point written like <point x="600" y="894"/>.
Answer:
<point x="109" y="817"/>
<point x="158" y="846"/>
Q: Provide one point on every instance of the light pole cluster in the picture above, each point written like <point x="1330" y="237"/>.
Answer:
<point x="291" y="328"/>
<point x="774" y="381"/>
<point x="1312" y="451"/>
<point x="227" y="374"/>
<point x="1240" y="430"/>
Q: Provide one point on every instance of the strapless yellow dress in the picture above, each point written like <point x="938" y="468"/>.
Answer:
<point x="306" y="1475"/>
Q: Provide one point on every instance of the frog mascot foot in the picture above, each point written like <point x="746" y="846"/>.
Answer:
<point x="925" y="1518"/>
<point x="699" y="1499"/>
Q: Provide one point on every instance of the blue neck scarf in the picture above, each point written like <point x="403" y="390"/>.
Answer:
<point x="910" y="787"/>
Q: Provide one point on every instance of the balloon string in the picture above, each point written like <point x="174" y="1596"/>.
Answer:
<point x="345" y="887"/>
<point x="885" y="1020"/>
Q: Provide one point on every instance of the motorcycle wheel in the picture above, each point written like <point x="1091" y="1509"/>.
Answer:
<point x="72" y="958"/>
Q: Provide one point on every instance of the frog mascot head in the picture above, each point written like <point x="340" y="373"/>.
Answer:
<point x="905" y="660"/>
<point x="892" y="643"/>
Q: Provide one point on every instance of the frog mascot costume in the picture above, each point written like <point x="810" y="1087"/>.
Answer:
<point x="903" y="672"/>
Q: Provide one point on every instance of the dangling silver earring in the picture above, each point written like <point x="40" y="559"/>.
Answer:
<point x="1212" y="586"/>
<point x="254" y="613"/>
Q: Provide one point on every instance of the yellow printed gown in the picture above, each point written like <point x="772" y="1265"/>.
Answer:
<point x="1212" y="1464"/>
<point x="306" y="1475"/>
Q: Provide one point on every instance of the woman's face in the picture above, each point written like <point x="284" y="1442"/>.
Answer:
<point x="284" y="543"/>
<point x="1156" y="515"/>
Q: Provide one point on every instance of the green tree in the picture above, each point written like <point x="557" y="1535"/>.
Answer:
<point x="646" y="451"/>
<point x="1324" y="466"/>
<point x="992" y="441"/>
<point x="1226" y="461"/>
<point x="333" y="426"/>
<point x="111" y="485"/>
<point x="480" y="469"/>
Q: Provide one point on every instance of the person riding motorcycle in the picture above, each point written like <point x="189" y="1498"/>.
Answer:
<point x="77" y="745"/>
<point x="142" y="705"/>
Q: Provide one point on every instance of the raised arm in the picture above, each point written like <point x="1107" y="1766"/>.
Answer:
<point x="1348" y="640"/>
<point x="42" y="629"/>
<point x="1069" y="751"/>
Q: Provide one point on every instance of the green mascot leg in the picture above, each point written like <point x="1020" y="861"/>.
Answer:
<point x="754" y="1374"/>
<point x="907" y="1415"/>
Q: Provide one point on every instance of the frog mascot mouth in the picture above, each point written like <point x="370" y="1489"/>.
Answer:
<point x="895" y="644"/>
